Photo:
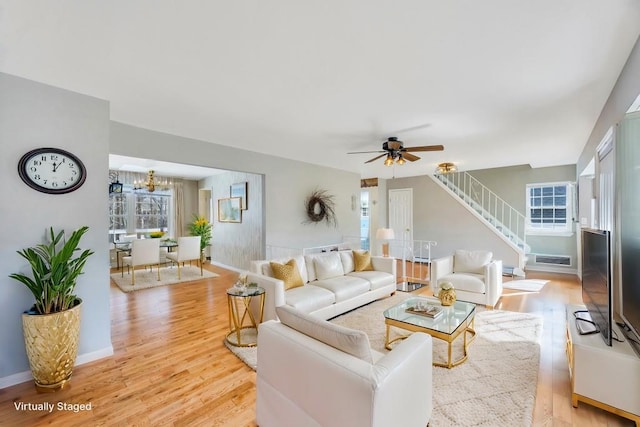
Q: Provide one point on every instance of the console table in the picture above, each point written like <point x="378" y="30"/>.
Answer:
<point x="602" y="376"/>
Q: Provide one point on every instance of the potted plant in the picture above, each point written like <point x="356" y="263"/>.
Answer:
<point x="52" y="326"/>
<point x="201" y="227"/>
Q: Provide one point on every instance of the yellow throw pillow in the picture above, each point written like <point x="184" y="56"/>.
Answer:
<point x="288" y="273"/>
<point x="362" y="261"/>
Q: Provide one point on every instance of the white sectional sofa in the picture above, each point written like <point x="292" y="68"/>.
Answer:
<point x="314" y="373"/>
<point x="331" y="286"/>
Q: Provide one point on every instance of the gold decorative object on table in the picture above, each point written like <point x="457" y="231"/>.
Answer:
<point x="447" y="294"/>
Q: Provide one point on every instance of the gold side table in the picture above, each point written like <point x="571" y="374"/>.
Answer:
<point x="243" y="327"/>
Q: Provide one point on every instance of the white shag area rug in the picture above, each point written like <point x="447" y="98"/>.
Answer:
<point x="168" y="276"/>
<point x="496" y="386"/>
<point x="528" y="285"/>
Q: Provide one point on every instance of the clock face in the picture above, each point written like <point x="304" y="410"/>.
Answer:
<point x="52" y="170"/>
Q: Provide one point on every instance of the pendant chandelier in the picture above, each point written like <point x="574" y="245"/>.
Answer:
<point x="150" y="184"/>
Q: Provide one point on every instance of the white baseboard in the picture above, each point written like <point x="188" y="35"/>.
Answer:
<point x="25" y="376"/>
<point x="228" y="267"/>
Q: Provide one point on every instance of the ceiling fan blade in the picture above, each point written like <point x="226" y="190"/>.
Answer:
<point x="376" y="158"/>
<point x="362" y="152"/>
<point x="425" y="148"/>
<point x="410" y="157"/>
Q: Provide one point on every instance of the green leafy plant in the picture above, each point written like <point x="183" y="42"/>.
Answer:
<point x="201" y="227"/>
<point x="55" y="271"/>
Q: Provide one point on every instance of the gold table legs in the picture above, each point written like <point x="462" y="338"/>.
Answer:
<point x="242" y="322"/>
<point x="465" y="329"/>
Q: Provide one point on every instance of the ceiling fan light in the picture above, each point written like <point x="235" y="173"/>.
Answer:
<point x="445" y="168"/>
<point x="401" y="160"/>
<point x="388" y="161"/>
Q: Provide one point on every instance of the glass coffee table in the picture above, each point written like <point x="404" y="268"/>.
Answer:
<point x="453" y="321"/>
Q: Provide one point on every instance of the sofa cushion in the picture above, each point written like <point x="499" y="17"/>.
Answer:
<point x="309" y="298"/>
<point x="350" y="341"/>
<point x="471" y="261"/>
<point x="376" y="279"/>
<point x="328" y="266"/>
<point x="344" y="287"/>
<point x="347" y="261"/>
<point x="302" y="268"/>
<point x="288" y="273"/>
<point x="362" y="261"/>
<point x="465" y="282"/>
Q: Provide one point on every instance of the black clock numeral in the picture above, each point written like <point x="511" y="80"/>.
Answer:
<point x="33" y="168"/>
<point x="43" y="158"/>
<point x="37" y="176"/>
<point x="54" y="184"/>
<point x="54" y="157"/>
<point x="36" y="162"/>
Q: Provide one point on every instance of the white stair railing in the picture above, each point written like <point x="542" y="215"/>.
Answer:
<point x="499" y="214"/>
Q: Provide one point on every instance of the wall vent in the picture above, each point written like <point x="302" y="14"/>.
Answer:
<point x="553" y="259"/>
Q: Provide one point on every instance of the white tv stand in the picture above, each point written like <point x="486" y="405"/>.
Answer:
<point x="603" y="376"/>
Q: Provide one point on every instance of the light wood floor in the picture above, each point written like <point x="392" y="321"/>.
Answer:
<point x="170" y="366"/>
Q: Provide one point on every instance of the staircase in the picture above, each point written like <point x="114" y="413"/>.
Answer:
<point x="500" y="216"/>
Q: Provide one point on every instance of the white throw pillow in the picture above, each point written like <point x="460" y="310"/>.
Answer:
<point x="328" y="266"/>
<point x="350" y="341"/>
<point x="471" y="261"/>
<point x="346" y="257"/>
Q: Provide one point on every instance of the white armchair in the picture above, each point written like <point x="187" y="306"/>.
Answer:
<point x="143" y="252"/>
<point x="188" y="250"/>
<point x="475" y="276"/>
<point x="314" y="373"/>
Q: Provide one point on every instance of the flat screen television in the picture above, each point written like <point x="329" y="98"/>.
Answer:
<point x="596" y="279"/>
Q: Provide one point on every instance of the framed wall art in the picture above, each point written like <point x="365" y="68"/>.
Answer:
<point x="229" y="209"/>
<point x="240" y="190"/>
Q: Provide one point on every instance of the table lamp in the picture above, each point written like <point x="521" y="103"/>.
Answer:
<point x="385" y="234"/>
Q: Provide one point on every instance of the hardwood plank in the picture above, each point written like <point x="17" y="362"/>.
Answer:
<point x="170" y="366"/>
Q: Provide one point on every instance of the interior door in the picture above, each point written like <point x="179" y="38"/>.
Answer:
<point x="401" y="221"/>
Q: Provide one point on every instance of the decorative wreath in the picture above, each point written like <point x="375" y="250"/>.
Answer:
<point x="321" y="207"/>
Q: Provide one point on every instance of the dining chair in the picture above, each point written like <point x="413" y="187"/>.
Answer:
<point x="123" y="246"/>
<point x="188" y="250"/>
<point x="143" y="252"/>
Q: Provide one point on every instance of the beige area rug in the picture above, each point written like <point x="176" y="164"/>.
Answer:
<point x="528" y="285"/>
<point x="168" y="276"/>
<point x="496" y="386"/>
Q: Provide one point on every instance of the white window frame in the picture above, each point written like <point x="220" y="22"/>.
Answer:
<point x="131" y="217"/>
<point x="553" y="228"/>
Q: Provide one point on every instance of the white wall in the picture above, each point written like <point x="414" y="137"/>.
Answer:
<point x="438" y="216"/>
<point x="34" y="115"/>
<point x="286" y="182"/>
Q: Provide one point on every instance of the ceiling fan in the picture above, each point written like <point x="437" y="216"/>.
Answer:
<point x="396" y="152"/>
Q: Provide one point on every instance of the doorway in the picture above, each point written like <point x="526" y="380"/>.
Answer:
<point x="401" y="221"/>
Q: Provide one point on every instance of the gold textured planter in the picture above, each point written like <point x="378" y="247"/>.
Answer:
<point x="51" y="341"/>
<point x="447" y="296"/>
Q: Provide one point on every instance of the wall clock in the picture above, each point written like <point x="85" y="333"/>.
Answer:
<point x="52" y="170"/>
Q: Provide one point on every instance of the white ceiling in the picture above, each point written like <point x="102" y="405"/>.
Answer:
<point x="162" y="169"/>
<point x="497" y="82"/>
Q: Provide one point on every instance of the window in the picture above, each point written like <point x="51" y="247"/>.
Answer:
<point x="549" y="208"/>
<point x="118" y="213"/>
<point x="152" y="212"/>
<point x="139" y="212"/>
